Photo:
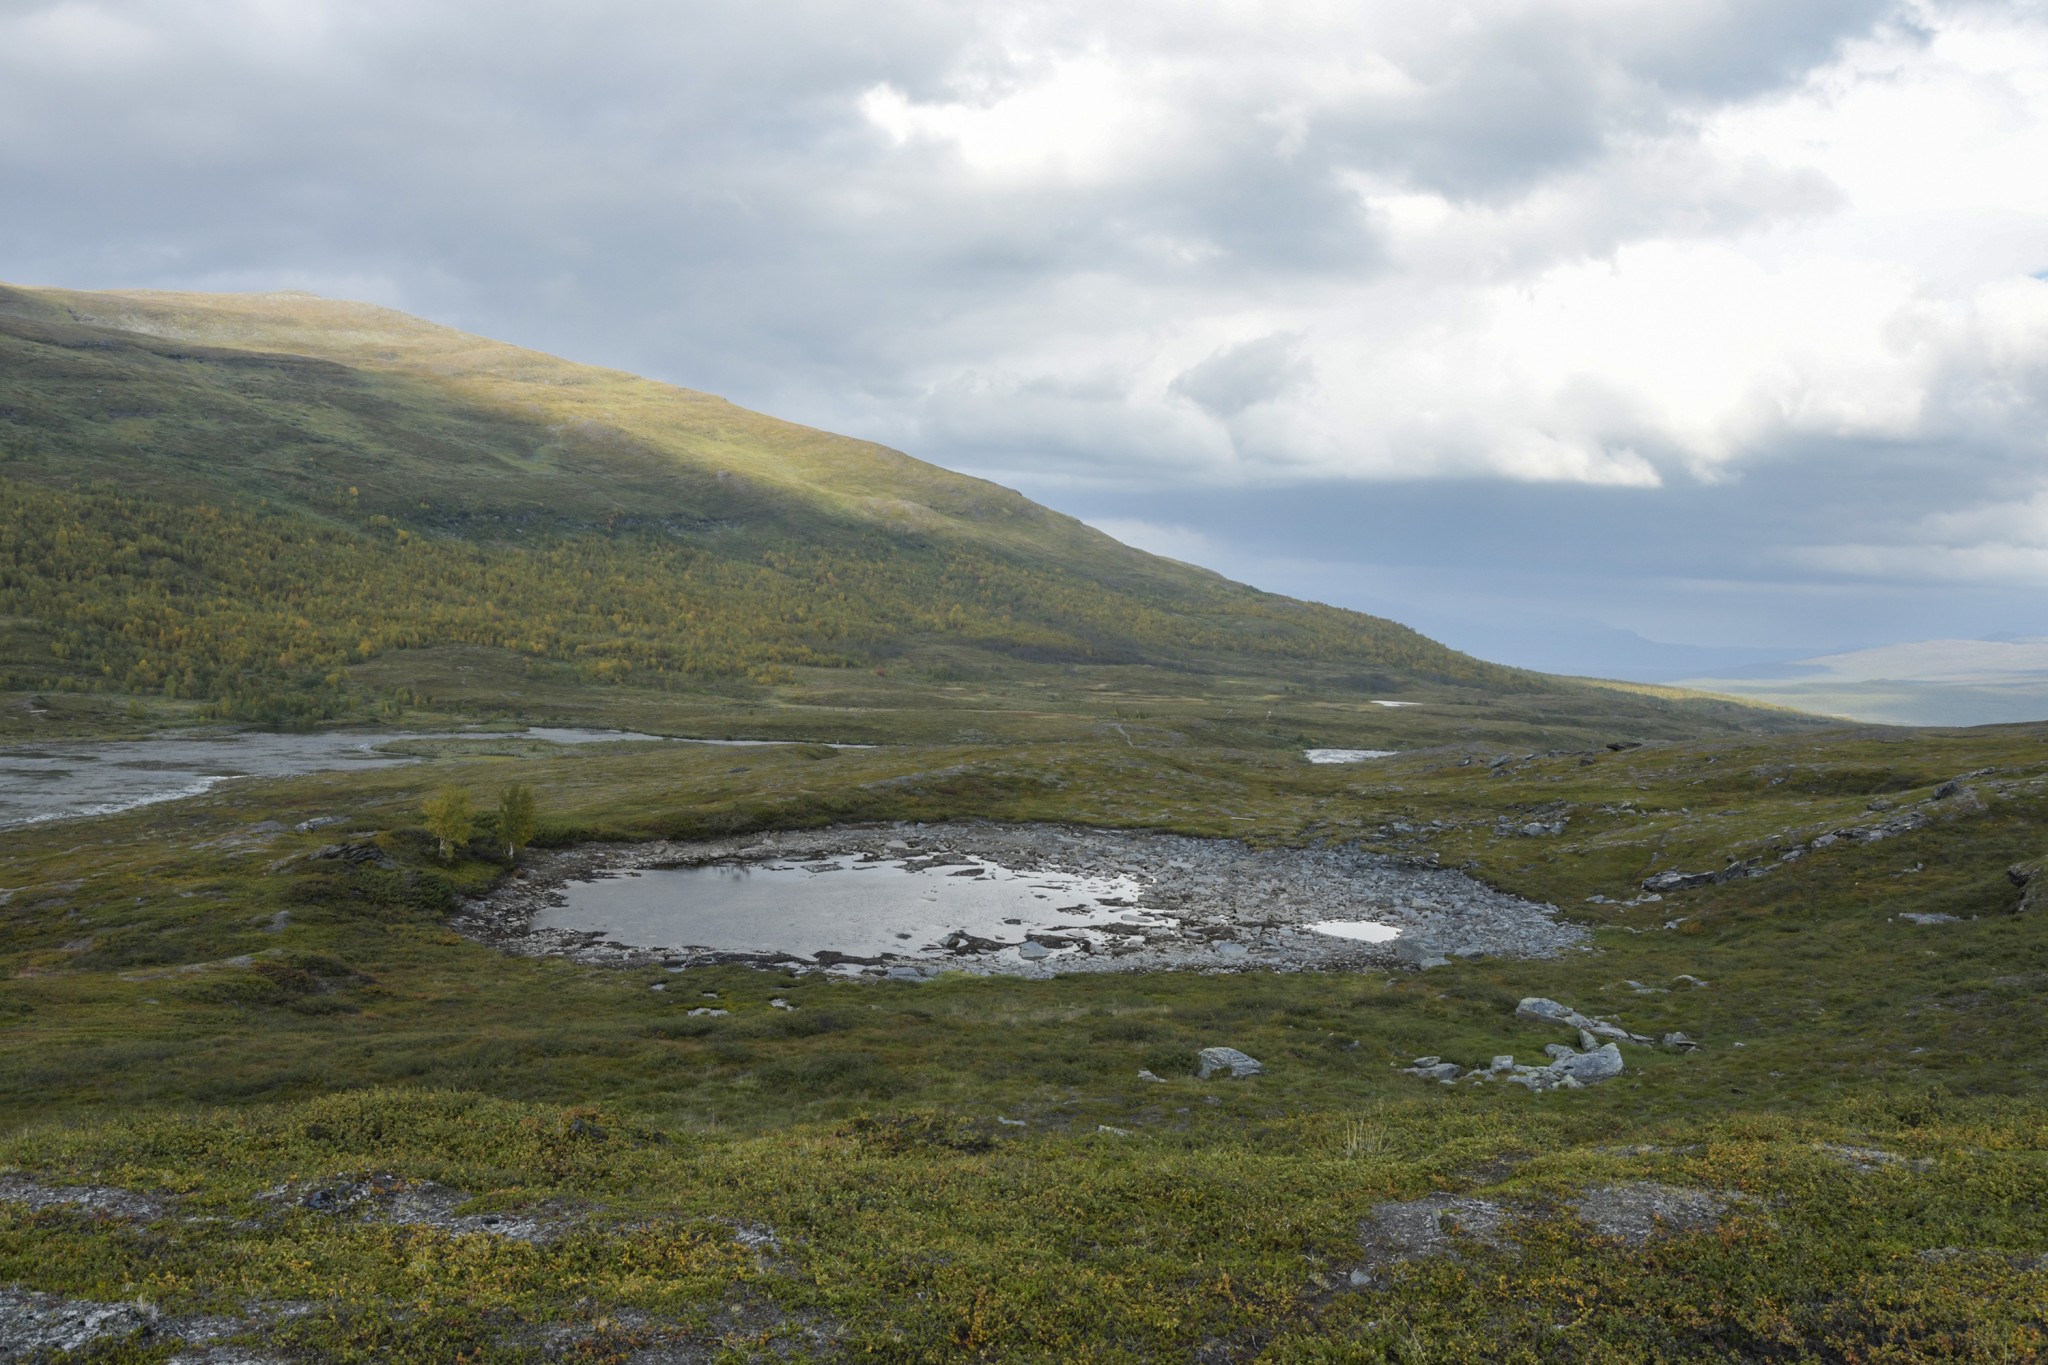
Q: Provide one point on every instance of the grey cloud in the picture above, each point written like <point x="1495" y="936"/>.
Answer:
<point x="691" y="191"/>
<point x="1255" y="371"/>
<point x="1541" y="92"/>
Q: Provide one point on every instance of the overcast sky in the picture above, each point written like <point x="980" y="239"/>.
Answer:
<point x="1548" y="326"/>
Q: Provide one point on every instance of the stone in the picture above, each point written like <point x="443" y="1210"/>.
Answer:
<point x="1601" y="1064"/>
<point x="2033" y="886"/>
<point x="1148" y="1076"/>
<point x="778" y="1003"/>
<point x="1642" y="1211"/>
<point x="1503" y="1062"/>
<point x="1689" y="980"/>
<point x="1678" y="1042"/>
<point x="1033" y="952"/>
<point x="1587" y="1042"/>
<point x="1538" y="1010"/>
<point x="1441" y="1071"/>
<point x="1238" y="1064"/>
<point x="706" y="1012"/>
<point x="1927" y="917"/>
<point x="1557" y="1050"/>
<point x="35" y="1326"/>
<point x="99" y="1201"/>
<point x="1417" y="1229"/>
<point x="1678" y="881"/>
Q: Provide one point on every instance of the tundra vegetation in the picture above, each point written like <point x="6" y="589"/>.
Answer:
<point x="257" y="1101"/>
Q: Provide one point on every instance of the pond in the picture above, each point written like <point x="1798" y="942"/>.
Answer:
<point x="66" y="780"/>
<point x="864" y="906"/>
<point x="911" y="899"/>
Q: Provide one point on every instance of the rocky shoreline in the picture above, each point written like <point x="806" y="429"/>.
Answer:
<point x="1206" y="904"/>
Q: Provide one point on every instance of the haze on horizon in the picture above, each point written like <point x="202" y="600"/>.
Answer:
<point x="1600" y="336"/>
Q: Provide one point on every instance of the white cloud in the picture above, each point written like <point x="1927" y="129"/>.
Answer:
<point x="1655" y="245"/>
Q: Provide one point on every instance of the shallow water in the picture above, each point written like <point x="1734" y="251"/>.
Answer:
<point x="849" y="905"/>
<point x="64" y="781"/>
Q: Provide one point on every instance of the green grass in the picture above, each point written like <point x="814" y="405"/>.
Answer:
<point x="861" y="1127"/>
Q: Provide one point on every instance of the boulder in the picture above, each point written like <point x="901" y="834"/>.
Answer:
<point x="1215" y="1059"/>
<point x="1679" y="881"/>
<point x="2033" y="885"/>
<point x="1538" y="1010"/>
<point x="1571" y="1070"/>
<point x="1603" y="1063"/>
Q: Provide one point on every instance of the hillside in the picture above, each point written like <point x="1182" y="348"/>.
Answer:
<point x="291" y="1070"/>
<point x="289" y="509"/>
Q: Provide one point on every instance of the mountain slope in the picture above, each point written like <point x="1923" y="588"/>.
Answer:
<point x="258" y="501"/>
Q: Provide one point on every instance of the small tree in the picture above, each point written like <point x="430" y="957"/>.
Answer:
<point x="516" y="818"/>
<point x="449" y="819"/>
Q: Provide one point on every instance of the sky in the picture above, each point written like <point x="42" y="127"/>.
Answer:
<point x="1651" y="338"/>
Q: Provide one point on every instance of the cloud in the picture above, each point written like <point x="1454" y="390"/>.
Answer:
<point x="1237" y="377"/>
<point x="1660" y="248"/>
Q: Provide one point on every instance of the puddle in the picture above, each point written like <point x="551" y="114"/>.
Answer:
<point x="1345" y="755"/>
<point x="862" y="907"/>
<point x="561" y="734"/>
<point x="1361" y="930"/>
<point x="61" y="780"/>
<point x="910" y="900"/>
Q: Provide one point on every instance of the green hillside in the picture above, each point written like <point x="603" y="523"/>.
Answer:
<point x="269" y="1094"/>
<point x="285" y="508"/>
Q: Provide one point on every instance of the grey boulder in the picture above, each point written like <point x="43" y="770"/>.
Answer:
<point x="1603" y="1063"/>
<point x="1215" y="1059"/>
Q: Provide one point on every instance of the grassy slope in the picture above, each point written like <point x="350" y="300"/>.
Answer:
<point x="402" y="475"/>
<point x="365" y="1039"/>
